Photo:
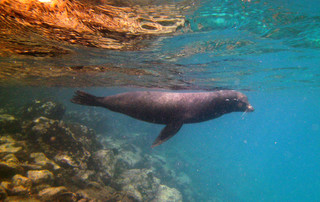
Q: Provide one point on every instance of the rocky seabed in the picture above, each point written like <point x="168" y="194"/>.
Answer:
<point x="45" y="158"/>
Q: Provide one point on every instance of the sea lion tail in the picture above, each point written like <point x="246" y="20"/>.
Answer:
<point x="84" y="98"/>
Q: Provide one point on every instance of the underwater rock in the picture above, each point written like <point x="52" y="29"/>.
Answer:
<point x="3" y="194"/>
<point x="140" y="184"/>
<point x="8" y="145"/>
<point x="6" y="139"/>
<point x="105" y="162"/>
<point x="128" y="155"/>
<point x="90" y="117"/>
<point x="8" y="169"/>
<point x="112" y="143"/>
<point x="10" y="158"/>
<point x="65" y="160"/>
<point x="27" y="166"/>
<point x="48" y="109"/>
<point x="9" y="124"/>
<point x="39" y="187"/>
<point x="70" y="155"/>
<point x="167" y="194"/>
<point x="133" y="192"/>
<point x="86" y="137"/>
<point x="21" y="185"/>
<point x="159" y="166"/>
<point x="183" y="179"/>
<point x="41" y="160"/>
<point x="84" y="176"/>
<point x="18" y="180"/>
<point x="19" y="190"/>
<point x="129" y="158"/>
<point x="6" y="185"/>
<point x="65" y="149"/>
<point x="56" y="194"/>
<point x="40" y="176"/>
<point x="102" y="193"/>
<point x="71" y="147"/>
<point x="52" y="137"/>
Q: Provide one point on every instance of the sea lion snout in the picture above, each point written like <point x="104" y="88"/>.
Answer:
<point x="250" y="108"/>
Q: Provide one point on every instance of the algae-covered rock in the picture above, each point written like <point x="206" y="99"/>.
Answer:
<point x="91" y="118"/>
<point x="65" y="149"/>
<point x="9" y="124"/>
<point x="8" y="145"/>
<point x="105" y="162"/>
<point x="21" y="180"/>
<point x="183" y="179"/>
<point x="9" y="148"/>
<point x="28" y="166"/>
<point x="3" y="194"/>
<point x="38" y="187"/>
<point x="20" y="185"/>
<point x="85" y="175"/>
<point x="85" y="136"/>
<point x="20" y="190"/>
<point x="102" y="193"/>
<point x="139" y="184"/>
<point x="76" y="157"/>
<point x="167" y="194"/>
<point x="40" y="176"/>
<point x="129" y="158"/>
<point x="10" y="158"/>
<point x="53" y="137"/>
<point x="6" y="185"/>
<point x="41" y="160"/>
<point x="49" y="109"/>
<point x="65" y="160"/>
<point x="6" y="139"/>
<point x="8" y="169"/>
<point x="56" y="194"/>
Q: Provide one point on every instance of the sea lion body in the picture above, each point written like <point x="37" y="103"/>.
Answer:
<point x="170" y="108"/>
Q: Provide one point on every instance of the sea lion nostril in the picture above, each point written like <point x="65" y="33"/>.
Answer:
<point x="250" y="108"/>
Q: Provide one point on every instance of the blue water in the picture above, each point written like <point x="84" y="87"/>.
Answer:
<point x="269" y="155"/>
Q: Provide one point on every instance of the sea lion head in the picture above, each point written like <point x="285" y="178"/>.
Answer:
<point x="238" y="102"/>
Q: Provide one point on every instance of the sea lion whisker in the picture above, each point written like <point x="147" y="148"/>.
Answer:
<point x="243" y="114"/>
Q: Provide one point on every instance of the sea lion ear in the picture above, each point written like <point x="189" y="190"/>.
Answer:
<point x="167" y="132"/>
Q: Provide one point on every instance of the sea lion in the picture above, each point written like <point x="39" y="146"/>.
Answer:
<point x="170" y="108"/>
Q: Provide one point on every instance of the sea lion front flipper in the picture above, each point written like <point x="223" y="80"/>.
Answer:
<point x="167" y="132"/>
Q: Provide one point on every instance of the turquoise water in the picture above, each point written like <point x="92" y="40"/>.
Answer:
<point x="269" y="155"/>
<point x="269" y="50"/>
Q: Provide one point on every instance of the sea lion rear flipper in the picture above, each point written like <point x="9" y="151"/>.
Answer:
<point x="167" y="132"/>
<point x="84" y="98"/>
